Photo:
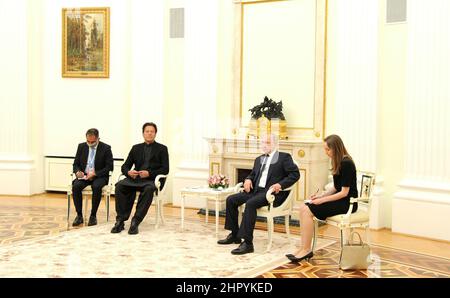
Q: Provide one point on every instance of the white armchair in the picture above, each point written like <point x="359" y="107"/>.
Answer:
<point x="158" y="198"/>
<point x="270" y="212"/>
<point x="87" y="193"/>
<point x="349" y="220"/>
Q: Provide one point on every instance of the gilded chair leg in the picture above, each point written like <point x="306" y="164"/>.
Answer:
<point x="270" y="232"/>
<point x="85" y="207"/>
<point x="157" y="214"/>
<point x="342" y="245"/>
<point x="161" y="212"/>
<point x="368" y="239"/>
<point x="138" y="193"/>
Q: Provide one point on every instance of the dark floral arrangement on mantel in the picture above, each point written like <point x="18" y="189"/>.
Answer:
<point x="269" y="109"/>
<point x="267" y="117"/>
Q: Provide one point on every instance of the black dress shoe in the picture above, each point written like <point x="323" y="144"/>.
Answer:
<point x="118" y="227"/>
<point x="92" y="221"/>
<point x="133" y="228"/>
<point x="243" y="249"/>
<point x="229" y="240"/>
<point x="294" y="259"/>
<point x="78" y="221"/>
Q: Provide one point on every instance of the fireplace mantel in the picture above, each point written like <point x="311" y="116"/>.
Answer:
<point x="227" y="155"/>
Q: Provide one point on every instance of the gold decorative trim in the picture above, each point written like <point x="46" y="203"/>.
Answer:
<point x="212" y="166"/>
<point x="257" y="1"/>
<point x="289" y="127"/>
<point x="304" y="185"/>
<point x="106" y="44"/>
<point x="325" y="53"/>
<point x="241" y="58"/>
<point x="301" y="153"/>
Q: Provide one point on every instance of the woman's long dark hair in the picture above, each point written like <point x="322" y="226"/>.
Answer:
<point x="334" y="142"/>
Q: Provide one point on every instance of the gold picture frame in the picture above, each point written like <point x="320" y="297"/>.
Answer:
<point x="85" y="42"/>
<point x="250" y="36"/>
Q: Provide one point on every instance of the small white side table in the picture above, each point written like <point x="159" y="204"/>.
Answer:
<point x="208" y="194"/>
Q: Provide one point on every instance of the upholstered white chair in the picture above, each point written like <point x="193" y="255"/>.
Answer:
<point x="349" y="220"/>
<point x="158" y="198"/>
<point x="270" y="212"/>
<point x="87" y="193"/>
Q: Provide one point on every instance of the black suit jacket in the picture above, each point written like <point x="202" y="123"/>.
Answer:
<point x="103" y="159"/>
<point x="159" y="160"/>
<point x="282" y="170"/>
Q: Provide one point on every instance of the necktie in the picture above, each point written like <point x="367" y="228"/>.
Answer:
<point x="91" y="159"/>
<point x="263" y="167"/>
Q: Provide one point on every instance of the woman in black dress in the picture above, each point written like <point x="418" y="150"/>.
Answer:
<point x="332" y="202"/>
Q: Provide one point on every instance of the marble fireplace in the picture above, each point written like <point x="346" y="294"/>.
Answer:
<point x="235" y="157"/>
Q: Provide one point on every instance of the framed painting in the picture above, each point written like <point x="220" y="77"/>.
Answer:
<point x="85" y="42"/>
<point x="367" y="182"/>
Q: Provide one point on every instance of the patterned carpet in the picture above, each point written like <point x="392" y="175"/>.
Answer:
<point x="163" y="252"/>
<point x="20" y="225"/>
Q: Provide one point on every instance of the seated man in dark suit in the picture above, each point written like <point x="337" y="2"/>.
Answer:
<point x="91" y="166"/>
<point x="274" y="170"/>
<point x="150" y="159"/>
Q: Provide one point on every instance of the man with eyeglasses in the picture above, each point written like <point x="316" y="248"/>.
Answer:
<point x="91" y="166"/>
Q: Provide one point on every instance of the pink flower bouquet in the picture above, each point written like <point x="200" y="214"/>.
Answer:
<point x="217" y="181"/>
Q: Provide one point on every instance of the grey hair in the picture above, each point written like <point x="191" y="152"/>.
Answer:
<point x="273" y="138"/>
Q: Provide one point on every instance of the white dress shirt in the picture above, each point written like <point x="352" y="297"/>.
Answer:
<point x="263" y="179"/>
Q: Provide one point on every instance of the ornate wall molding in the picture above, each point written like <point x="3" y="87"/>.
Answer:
<point x="244" y="50"/>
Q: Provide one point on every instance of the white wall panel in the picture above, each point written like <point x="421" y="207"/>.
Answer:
<point x="14" y="79"/>
<point x="428" y="94"/>
<point x="424" y="193"/>
<point x="16" y="162"/>
<point x="146" y="72"/>
<point x="355" y="79"/>
<point x="200" y="85"/>
<point x="72" y="105"/>
<point x="200" y="95"/>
